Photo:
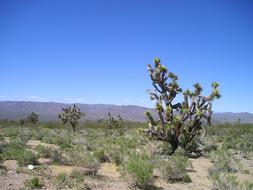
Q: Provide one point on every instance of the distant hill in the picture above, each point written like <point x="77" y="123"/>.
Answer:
<point x="48" y="111"/>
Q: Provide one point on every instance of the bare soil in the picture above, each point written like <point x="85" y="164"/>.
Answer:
<point x="34" y="143"/>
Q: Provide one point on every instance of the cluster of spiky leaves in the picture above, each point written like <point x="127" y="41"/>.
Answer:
<point x="114" y="123"/>
<point x="177" y="120"/>
<point x="33" y="118"/>
<point x="71" y="114"/>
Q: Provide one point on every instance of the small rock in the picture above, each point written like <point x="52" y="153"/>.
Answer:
<point x="30" y="167"/>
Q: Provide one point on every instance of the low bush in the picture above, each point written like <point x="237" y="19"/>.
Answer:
<point x="174" y="168"/>
<point x="33" y="183"/>
<point x="72" y="181"/>
<point x="43" y="151"/>
<point x="138" y="170"/>
<point x="223" y="161"/>
<point x="27" y="158"/>
<point x="84" y="158"/>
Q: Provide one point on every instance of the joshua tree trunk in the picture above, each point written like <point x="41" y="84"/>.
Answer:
<point x="73" y="125"/>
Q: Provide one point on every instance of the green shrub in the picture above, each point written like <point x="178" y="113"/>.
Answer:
<point x="12" y="150"/>
<point x="43" y="151"/>
<point x="223" y="161"/>
<point x="174" y="168"/>
<point x="224" y="181"/>
<point x="27" y="158"/>
<point x="34" y="183"/>
<point x="57" y="157"/>
<point x="84" y="158"/>
<point x="60" y="179"/>
<point x="246" y="186"/>
<point x="71" y="181"/>
<point x="139" y="170"/>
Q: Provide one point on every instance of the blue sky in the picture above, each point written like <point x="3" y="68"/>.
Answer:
<point x="93" y="51"/>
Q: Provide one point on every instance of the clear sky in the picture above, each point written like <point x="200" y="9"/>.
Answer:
<point x="92" y="51"/>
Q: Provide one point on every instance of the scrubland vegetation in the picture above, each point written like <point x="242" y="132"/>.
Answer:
<point x="179" y="150"/>
<point x="139" y="160"/>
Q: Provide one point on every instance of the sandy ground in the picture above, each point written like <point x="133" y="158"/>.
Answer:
<point x="198" y="176"/>
<point x="33" y="143"/>
<point x="12" y="181"/>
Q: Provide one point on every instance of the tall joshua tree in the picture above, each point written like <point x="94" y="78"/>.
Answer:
<point x="179" y="122"/>
<point x="71" y="114"/>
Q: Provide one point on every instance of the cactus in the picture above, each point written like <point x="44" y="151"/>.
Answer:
<point x="71" y="114"/>
<point x="179" y="122"/>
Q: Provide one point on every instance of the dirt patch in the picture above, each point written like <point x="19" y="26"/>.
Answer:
<point x="109" y="179"/>
<point x="7" y="139"/>
<point x="34" y="143"/>
<point x="109" y="170"/>
<point x="57" y="169"/>
<point x="198" y="175"/>
<point x="44" y="161"/>
<point x="12" y="181"/>
<point x="10" y="165"/>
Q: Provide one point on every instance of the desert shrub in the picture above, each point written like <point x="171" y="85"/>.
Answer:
<point x="224" y="181"/>
<point x="57" y="137"/>
<point x="43" y="151"/>
<point x="60" y="179"/>
<point x="71" y="181"/>
<point x="33" y="183"/>
<point x="138" y="170"/>
<point x="27" y="158"/>
<point x="84" y="158"/>
<point x="12" y="150"/>
<point x="246" y="186"/>
<point x="122" y="145"/>
<point x="10" y="132"/>
<point x="65" y="147"/>
<point x="174" y="168"/>
<point x="2" y="171"/>
<point x="101" y="156"/>
<point x="223" y="161"/>
<point x="58" y="157"/>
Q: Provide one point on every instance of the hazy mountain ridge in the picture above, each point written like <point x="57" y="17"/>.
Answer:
<point x="48" y="111"/>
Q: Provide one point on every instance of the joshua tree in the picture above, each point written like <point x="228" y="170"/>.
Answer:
<point x="71" y="114"/>
<point x="114" y="123"/>
<point x="22" y="122"/>
<point x="33" y="118"/>
<point x="178" y="123"/>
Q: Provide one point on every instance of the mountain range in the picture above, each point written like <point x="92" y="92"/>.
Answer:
<point x="48" y="111"/>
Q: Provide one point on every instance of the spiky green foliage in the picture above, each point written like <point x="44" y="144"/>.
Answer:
<point x="33" y="118"/>
<point x="114" y="123"/>
<point x="179" y="122"/>
<point x="71" y="114"/>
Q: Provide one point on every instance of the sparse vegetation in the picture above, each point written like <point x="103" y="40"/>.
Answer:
<point x="132" y="156"/>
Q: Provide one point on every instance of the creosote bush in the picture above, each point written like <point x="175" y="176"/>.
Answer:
<point x="174" y="169"/>
<point x="138" y="170"/>
<point x="178" y="123"/>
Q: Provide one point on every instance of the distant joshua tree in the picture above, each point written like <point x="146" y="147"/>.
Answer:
<point x="114" y="123"/>
<point x="178" y="123"/>
<point x="71" y="114"/>
<point x="33" y="118"/>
